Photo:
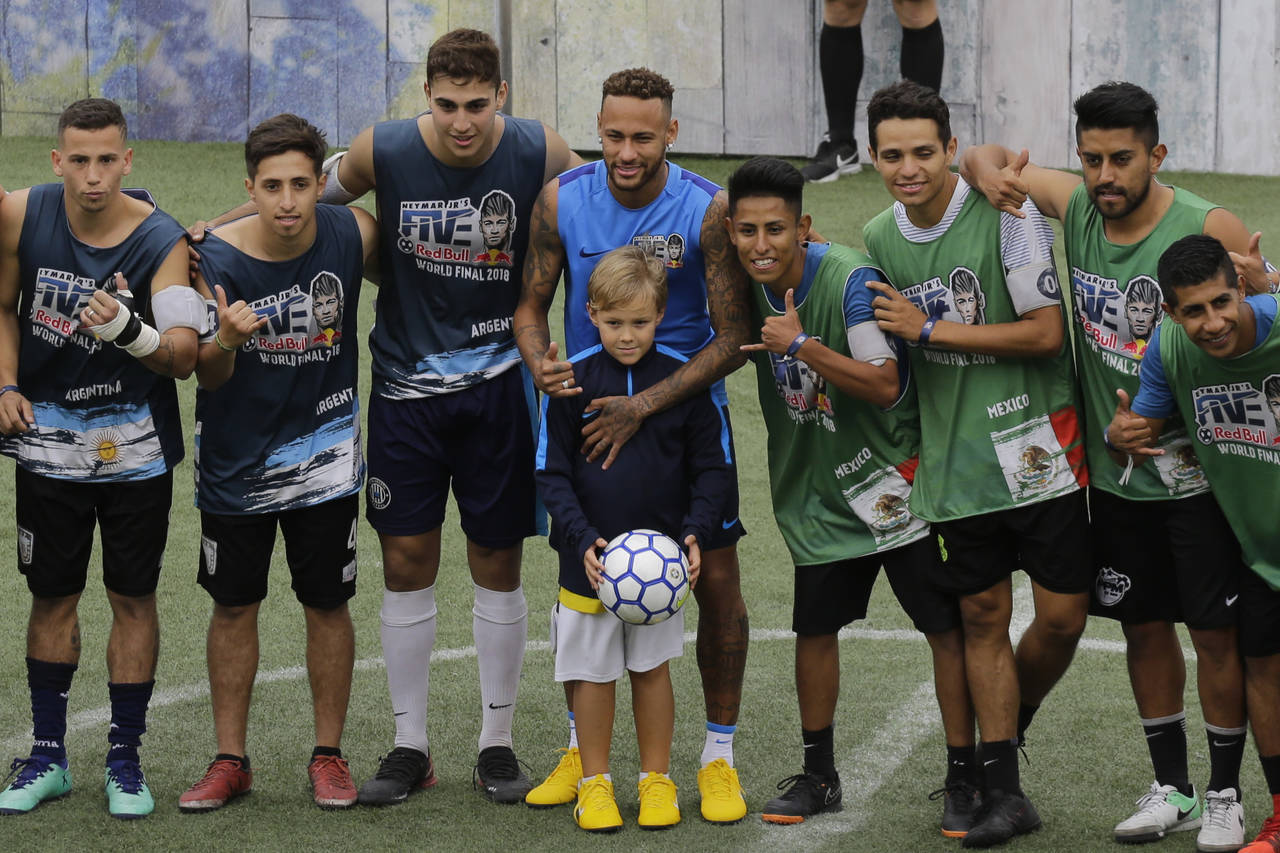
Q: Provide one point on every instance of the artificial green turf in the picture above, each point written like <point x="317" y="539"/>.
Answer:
<point x="1088" y="761"/>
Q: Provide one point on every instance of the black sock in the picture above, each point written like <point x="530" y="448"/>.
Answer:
<point x="1167" y="743"/>
<point x="1000" y="764"/>
<point x="1025" y="713"/>
<point x="840" y="58"/>
<point x="325" y="750"/>
<point x="1226" y="751"/>
<point x="226" y="756"/>
<point x="922" y="54"/>
<point x="1271" y="772"/>
<point x="962" y="765"/>
<point x="819" y="752"/>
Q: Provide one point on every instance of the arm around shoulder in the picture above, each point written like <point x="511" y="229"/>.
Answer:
<point x="560" y="157"/>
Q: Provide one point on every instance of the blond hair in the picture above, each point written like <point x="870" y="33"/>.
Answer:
<point x="624" y="276"/>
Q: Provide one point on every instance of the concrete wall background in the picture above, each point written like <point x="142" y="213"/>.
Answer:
<point x="745" y="70"/>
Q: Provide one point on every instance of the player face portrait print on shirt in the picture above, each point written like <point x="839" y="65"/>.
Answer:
<point x="457" y="235"/>
<point x="326" y="307"/>
<point x="803" y="390"/>
<point x="668" y="248"/>
<point x="967" y="296"/>
<point x="1238" y="419"/>
<point x="1115" y="321"/>
<point x="302" y="325"/>
<point x="959" y="299"/>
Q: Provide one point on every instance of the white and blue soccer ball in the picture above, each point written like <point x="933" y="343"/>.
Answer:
<point x="646" y="577"/>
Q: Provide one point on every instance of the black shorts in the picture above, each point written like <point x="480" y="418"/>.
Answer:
<point x="480" y="439"/>
<point x="320" y="548"/>
<point x="831" y="595"/>
<point x="55" y="532"/>
<point x="1048" y="540"/>
<point x="730" y="529"/>
<point x="1259" y="616"/>
<point x="1166" y="561"/>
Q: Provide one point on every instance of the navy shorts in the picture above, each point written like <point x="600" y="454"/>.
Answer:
<point x="1259" y="616"/>
<point x="320" y="548"/>
<point x="1164" y="561"/>
<point x="56" y="519"/>
<point x="479" y="439"/>
<point x="730" y="529"/>
<point x="831" y="595"/>
<point x="1048" y="540"/>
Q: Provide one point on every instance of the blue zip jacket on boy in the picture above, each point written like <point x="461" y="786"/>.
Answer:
<point x="674" y="475"/>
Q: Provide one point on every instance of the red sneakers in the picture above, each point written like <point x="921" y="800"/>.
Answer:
<point x="331" y="782"/>
<point x="224" y="780"/>
<point x="1268" y="841"/>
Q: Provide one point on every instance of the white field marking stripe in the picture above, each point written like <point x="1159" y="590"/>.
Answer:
<point x="177" y="695"/>
<point x="867" y="766"/>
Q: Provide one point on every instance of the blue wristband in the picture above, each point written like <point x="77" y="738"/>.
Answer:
<point x="1106" y="438"/>
<point x="796" y="344"/>
<point x="927" y="329"/>
<point x="7" y="388"/>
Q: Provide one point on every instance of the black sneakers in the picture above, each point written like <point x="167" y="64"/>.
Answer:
<point x="832" y="160"/>
<point x="400" y="772"/>
<point x="960" y="802"/>
<point x="499" y="777"/>
<point x="808" y="795"/>
<point x="1001" y="816"/>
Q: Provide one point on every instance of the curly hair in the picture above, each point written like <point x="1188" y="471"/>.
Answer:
<point x="639" y="83"/>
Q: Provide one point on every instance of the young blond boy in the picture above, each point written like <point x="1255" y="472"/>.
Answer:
<point x="672" y="479"/>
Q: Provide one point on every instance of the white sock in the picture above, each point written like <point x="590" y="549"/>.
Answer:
<point x="719" y="743"/>
<point x="608" y="777"/>
<point x="500" y="627"/>
<point x="573" y="732"/>
<point x="408" y="636"/>
<point x="644" y="775"/>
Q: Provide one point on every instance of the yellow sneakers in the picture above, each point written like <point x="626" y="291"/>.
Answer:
<point x="561" y="787"/>
<point x="658" y="806"/>
<point x="722" y="797"/>
<point x="596" y="810"/>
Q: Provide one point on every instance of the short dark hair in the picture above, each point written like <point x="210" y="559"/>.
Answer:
<point x="1118" y="105"/>
<point x="281" y="134"/>
<point x="1193" y="260"/>
<point x="767" y="176"/>
<point x="93" y="114"/>
<point x="908" y="99"/>
<point x="464" y="54"/>
<point x="639" y="83"/>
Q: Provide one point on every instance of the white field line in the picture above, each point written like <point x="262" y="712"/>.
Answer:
<point x="165" y="697"/>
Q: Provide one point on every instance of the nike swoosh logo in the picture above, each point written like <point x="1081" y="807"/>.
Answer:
<point x="728" y="524"/>
<point x="582" y="252"/>
<point x="845" y="161"/>
<point x="1183" y="814"/>
<point x="832" y="793"/>
<point x="1220" y="743"/>
<point x="499" y="707"/>
<point x="399" y="713"/>
<point x="722" y="741"/>
<point x="990" y="761"/>
<point x="1232" y="599"/>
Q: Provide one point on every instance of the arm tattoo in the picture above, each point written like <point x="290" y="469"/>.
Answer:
<point x="727" y="304"/>
<point x="542" y="265"/>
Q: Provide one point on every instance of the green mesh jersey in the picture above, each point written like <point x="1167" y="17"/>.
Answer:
<point x="839" y="467"/>
<point x="996" y="432"/>
<point x="1116" y="301"/>
<point x="1235" y="427"/>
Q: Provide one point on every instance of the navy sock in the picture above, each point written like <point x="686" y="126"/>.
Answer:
<point x="922" y="54"/>
<point x="840" y="59"/>
<point x="128" y="719"/>
<point x="1000" y="764"/>
<point x="49" y="684"/>
<point x="1226" y="752"/>
<point x="1167" y="744"/>
<point x="819" y="752"/>
<point x="962" y="764"/>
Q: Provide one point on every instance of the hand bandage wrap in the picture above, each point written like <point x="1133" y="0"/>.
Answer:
<point x="334" y="192"/>
<point x="127" y="331"/>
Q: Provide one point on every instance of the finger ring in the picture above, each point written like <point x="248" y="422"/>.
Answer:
<point x="91" y="314"/>
<point x="565" y="384"/>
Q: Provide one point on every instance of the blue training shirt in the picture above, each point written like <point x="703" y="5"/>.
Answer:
<point x="100" y="414"/>
<point x="591" y="223"/>
<point x="451" y="247"/>
<point x="284" y="431"/>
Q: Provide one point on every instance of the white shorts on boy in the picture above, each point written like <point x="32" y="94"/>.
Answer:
<point x="599" y="647"/>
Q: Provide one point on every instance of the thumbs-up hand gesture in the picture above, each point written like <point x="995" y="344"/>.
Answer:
<point x="778" y="332"/>
<point x="1251" y="267"/>
<point x="1005" y="189"/>
<point x="1128" y="432"/>
<point x="236" y="322"/>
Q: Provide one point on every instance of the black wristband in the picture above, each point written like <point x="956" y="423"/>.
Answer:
<point x="130" y="332"/>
